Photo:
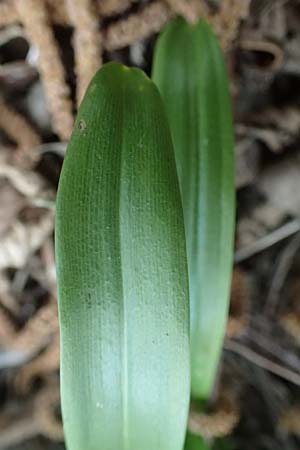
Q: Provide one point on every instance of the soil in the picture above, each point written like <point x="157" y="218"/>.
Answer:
<point x="260" y="365"/>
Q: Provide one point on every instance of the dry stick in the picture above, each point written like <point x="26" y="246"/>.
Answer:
<point x="227" y="21"/>
<point x="27" y="182"/>
<point x="47" y="361"/>
<point x="8" y="13"/>
<point x="39" y="330"/>
<point x="137" y="26"/>
<point x="58" y="148"/>
<point x="184" y="8"/>
<point x="17" y="128"/>
<point x="7" y="330"/>
<point x="239" y="299"/>
<point x="266" y="47"/>
<point x="22" y="240"/>
<point x="290" y="420"/>
<point x="57" y="11"/>
<point x="7" y="300"/>
<point x="262" y="362"/>
<point x="42" y="421"/>
<point x="13" y="358"/>
<point x="34" y="16"/>
<point x="45" y="404"/>
<point x="7" y="34"/>
<point x="220" y="422"/>
<point x="111" y="7"/>
<point x="285" y="261"/>
<point x="264" y="7"/>
<point x="104" y="8"/>
<point x="290" y="322"/>
<point x="267" y="241"/>
<point x="18" y="433"/>
<point x="48" y="260"/>
<point x="87" y="42"/>
<point x="283" y="355"/>
<point x="41" y="333"/>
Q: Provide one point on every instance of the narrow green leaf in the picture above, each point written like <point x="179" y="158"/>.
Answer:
<point x="193" y="442"/>
<point x="122" y="273"/>
<point x="223" y="444"/>
<point x="190" y="73"/>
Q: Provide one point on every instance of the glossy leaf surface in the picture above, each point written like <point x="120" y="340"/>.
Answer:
<point x="190" y="73"/>
<point x="122" y="273"/>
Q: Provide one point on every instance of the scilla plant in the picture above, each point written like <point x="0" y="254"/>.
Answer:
<point x="122" y="272"/>
<point x="190" y="72"/>
<point x="121" y="239"/>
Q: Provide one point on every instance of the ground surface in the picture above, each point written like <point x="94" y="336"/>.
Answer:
<point x="260" y="367"/>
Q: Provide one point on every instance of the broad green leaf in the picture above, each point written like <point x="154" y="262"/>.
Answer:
<point x="193" y="442"/>
<point x="122" y="273"/>
<point x="190" y="73"/>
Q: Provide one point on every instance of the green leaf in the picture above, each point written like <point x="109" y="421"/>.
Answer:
<point x="190" y="73"/>
<point x="122" y="272"/>
<point x="193" y="442"/>
<point x="223" y="444"/>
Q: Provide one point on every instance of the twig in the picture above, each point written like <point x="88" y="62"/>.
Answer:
<point x="9" y="302"/>
<point x="17" y="128"/>
<point x="18" y="433"/>
<point x="239" y="299"/>
<point x="226" y="22"/>
<point x="39" y="330"/>
<point x="290" y="322"/>
<point x="45" y="404"/>
<point x="34" y="16"/>
<point x="13" y="358"/>
<point x="137" y="26"/>
<point x="262" y="8"/>
<point x="26" y="181"/>
<point x="8" y="13"/>
<point x="112" y="7"/>
<point x="262" y="362"/>
<point x="267" y="241"/>
<point x="59" y="148"/>
<point x="286" y="259"/>
<point x="22" y="240"/>
<point x="186" y="9"/>
<point x="264" y="46"/>
<point x="7" y="331"/>
<point x="42" y="420"/>
<point x="57" y="12"/>
<point x="272" y="347"/>
<point x="218" y="423"/>
<point x="87" y="42"/>
<point x="290" y="420"/>
<point x="47" y="361"/>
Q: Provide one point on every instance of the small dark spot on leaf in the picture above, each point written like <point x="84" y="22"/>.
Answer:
<point x="81" y="125"/>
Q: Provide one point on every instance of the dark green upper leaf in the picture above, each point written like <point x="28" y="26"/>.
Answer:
<point x="190" y="73"/>
<point x="122" y="274"/>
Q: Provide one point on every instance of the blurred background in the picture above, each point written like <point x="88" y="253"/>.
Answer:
<point x="49" y="49"/>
